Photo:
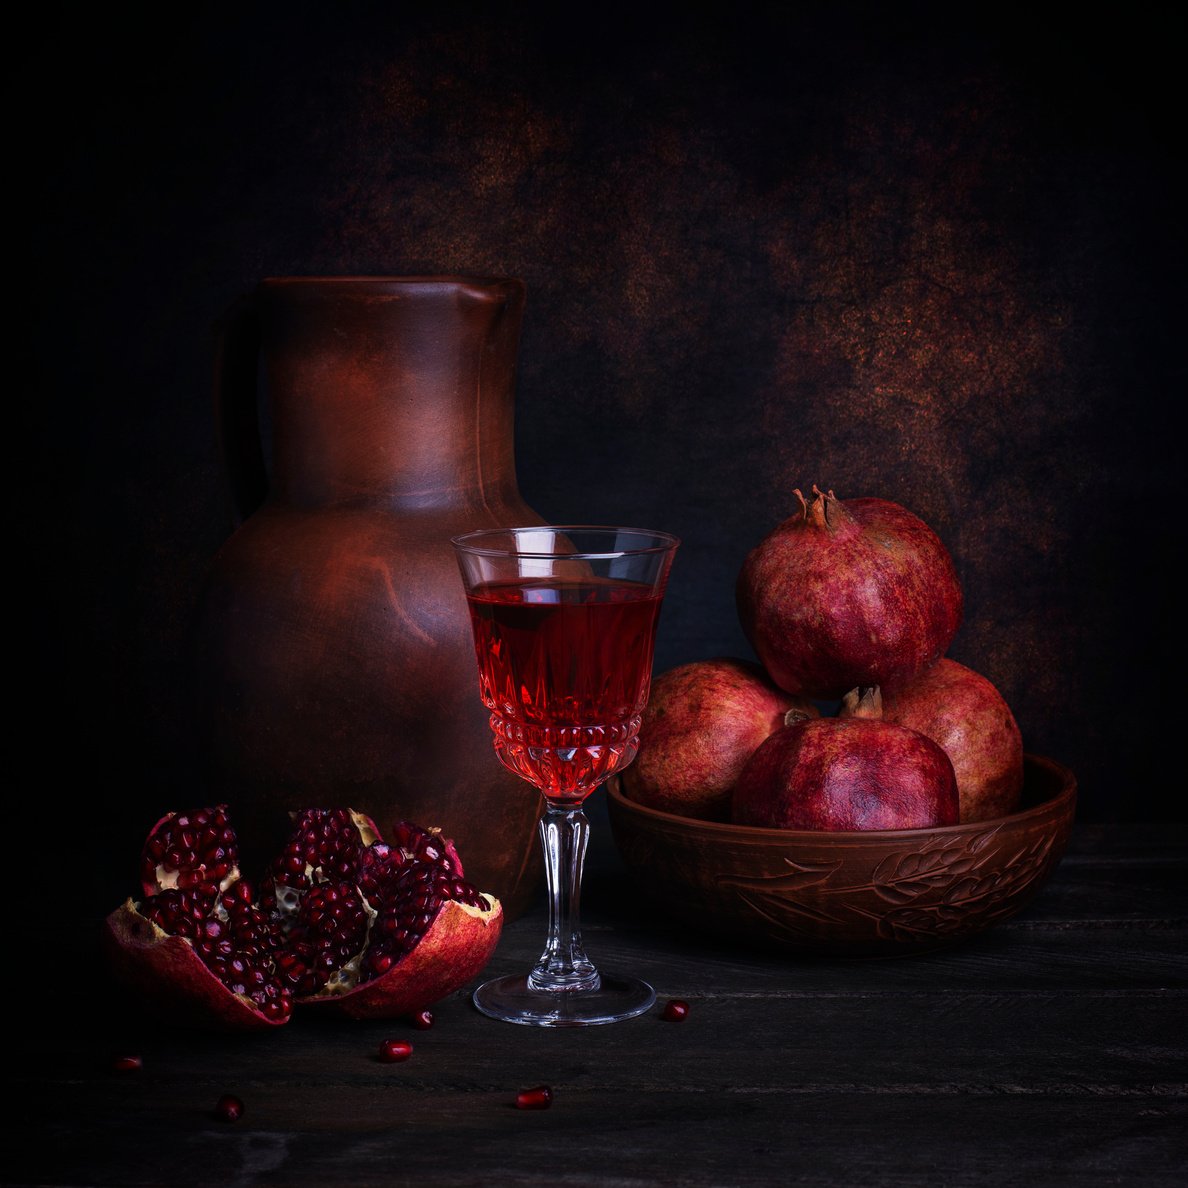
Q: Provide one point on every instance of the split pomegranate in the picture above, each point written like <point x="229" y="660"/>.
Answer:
<point x="373" y="928"/>
<point x="847" y="594"/>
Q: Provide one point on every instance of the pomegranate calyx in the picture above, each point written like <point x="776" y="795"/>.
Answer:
<point x="796" y="714"/>
<point x="826" y="512"/>
<point x="866" y="701"/>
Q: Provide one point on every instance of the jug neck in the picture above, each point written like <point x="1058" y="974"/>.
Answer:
<point x="391" y="391"/>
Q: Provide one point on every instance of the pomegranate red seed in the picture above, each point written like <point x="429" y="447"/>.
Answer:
<point x="676" y="1010"/>
<point x="127" y="1063"/>
<point x="422" y="1020"/>
<point x="539" y="1098"/>
<point x="189" y="848"/>
<point x="394" y="1051"/>
<point x="229" y="1108"/>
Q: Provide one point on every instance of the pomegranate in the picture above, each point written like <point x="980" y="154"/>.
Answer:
<point x="847" y="774"/>
<point x="373" y="928"/>
<point x="703" y="721"/>
<point x="963" y="712"/>
<point x="851" y="593"/>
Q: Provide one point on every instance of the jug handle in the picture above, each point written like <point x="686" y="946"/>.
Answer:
<point x="237" y="417"/>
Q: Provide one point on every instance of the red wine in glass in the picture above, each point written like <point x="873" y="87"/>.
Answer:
<point x="564" y="621"/>
<point x="564" y="667"/>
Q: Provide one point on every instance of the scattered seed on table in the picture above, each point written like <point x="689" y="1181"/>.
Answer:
<point x="393" y="1051"/>
<point x="229" y="1108"/>
<point x="538" y="1098"/>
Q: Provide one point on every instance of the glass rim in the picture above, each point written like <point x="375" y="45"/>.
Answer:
<point x="666" y="542"/>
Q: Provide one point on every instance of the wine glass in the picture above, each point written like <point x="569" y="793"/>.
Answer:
<point x="564" y="621"/>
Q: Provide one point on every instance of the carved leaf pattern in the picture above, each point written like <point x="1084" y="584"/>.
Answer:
<point x="798" y="876"/>
<point x="902" y="878"/>
<point x="949" y="888"/>
<point x="970" y="902"/>
<point x="944" y="890"/>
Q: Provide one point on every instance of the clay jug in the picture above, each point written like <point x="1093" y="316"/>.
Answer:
<point x="333" y="658"/>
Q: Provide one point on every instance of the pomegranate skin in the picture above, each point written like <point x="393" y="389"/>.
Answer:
<point x="456" y="947"/>
<point x="165" y="972"/>
<point x="847" y="594"/>
<point x="703" y="721"/>
<point x="846" y="774"/>
<point x="963" y="711"/>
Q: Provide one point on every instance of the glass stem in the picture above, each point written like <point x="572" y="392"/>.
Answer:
<point x="564" y="965"/>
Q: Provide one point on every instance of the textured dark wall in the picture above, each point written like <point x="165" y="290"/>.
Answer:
<point x="929" y="253"/>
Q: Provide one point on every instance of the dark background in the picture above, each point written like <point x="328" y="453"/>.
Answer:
<point x="898" y="250"/>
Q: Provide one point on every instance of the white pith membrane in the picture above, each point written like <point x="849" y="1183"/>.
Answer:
<point x="288" y="905"/>
<point x="349" y="975"/>
<point x="169" y="879"/>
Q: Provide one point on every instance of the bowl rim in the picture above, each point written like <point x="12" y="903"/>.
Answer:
<point x="1066" y="793"/>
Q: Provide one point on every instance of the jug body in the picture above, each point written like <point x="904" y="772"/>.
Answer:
<point x="333" y="658"/>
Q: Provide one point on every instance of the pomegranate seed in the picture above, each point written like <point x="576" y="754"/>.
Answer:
<point x="676" y="1010"/>
<point x="394" y="1051"/>
<point x="539" y="1098"/>
<point x="229" y="1108"/>
<point x="422" y="1020"/>
<point x="127" y="1064"/>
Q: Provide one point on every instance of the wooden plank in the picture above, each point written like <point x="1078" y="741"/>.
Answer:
<point x="744" y="1058"/>
<point x="1009" y="958"/>
<point x="976" y="1042"/>
<point x="1048" y="1051"/>
<point x="399" y="1136"/>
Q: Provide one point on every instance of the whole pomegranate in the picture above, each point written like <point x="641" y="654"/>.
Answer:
<point x="846" y="774"/>
<point x="703" y="721"/>
<point x="847" y="594"/>
<point x="340" y="917"/>
<point x="963" y="712"/>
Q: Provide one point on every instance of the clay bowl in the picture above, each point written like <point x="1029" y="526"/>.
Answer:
<point x="883" y="894"/>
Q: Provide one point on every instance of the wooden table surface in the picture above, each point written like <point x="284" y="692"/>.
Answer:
<point x="1050" y="1050"/>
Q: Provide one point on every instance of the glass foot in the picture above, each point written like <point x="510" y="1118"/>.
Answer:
<point x="510" y="999"/>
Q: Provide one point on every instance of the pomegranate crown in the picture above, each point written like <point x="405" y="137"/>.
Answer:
<point x="822" y="510"/>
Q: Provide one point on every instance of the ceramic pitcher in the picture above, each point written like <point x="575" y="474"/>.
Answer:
<point x="363" y="422"/>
